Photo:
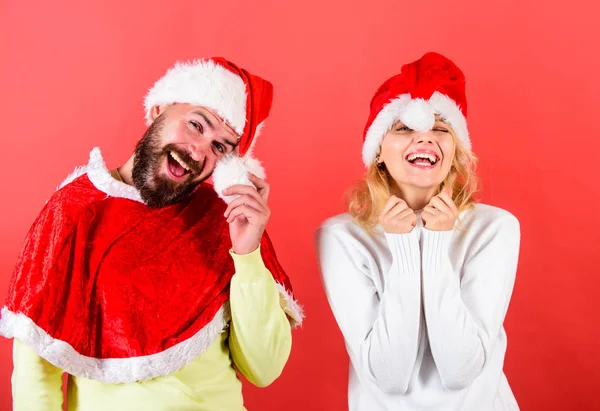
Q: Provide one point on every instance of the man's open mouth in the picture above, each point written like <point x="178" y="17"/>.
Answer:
<point x="177" y="167"/>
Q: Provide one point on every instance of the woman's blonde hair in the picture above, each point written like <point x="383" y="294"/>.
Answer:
<point x="367" y="198"/>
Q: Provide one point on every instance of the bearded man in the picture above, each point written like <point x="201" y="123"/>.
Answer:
<point x="147" y="286"/>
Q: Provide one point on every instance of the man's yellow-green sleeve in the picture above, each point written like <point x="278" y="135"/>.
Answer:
<point x="36" y="384"/>
<point x="261" y="336"/>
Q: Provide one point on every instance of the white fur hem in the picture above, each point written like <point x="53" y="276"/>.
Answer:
<point x="290" y="306"/>
<point x="112" y="370"/>
<point x="101" y="178"/>
<point x="79" y="171"/>
<point x="417" y="114"/>
<point x="202" y="83"/>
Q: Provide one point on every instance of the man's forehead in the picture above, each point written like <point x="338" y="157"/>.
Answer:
<point x="216" y="118"/>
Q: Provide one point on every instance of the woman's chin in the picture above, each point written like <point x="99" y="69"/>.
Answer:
<point x="420" y="183"/>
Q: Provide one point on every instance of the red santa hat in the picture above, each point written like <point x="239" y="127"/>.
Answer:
<point x="241" y="99"/>
<point x="430" y="86"/>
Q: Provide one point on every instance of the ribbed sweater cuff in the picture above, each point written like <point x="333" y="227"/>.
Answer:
<point x="405" y="251"/>
<point x="435" y="249"/>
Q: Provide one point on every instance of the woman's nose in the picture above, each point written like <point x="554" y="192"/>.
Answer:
<point x="425" y="138"/>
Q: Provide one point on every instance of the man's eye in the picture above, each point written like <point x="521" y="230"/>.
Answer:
<point x="220" y="147"/>
<point x="197" y="126"/>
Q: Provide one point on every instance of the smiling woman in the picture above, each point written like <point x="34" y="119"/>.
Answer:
<point x="421" y="301"/>
<point x="441" y="161"/>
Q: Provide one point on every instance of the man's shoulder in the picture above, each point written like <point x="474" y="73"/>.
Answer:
<point x="73" y="196"/>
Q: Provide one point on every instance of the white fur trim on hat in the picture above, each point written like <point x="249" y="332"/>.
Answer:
<point x="232" y="170"/>
<point x="202" y="83"/>
<point x="449" y="110"/>
<point x="418" y="114"/>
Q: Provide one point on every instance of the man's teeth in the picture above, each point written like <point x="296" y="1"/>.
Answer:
<point x="432" y="159"/>
<point x="179" y="160"/>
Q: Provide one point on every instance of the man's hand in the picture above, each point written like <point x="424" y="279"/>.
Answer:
<point x="248" y="214"/>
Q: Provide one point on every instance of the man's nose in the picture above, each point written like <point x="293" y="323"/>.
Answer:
<point x="199" y="148"/>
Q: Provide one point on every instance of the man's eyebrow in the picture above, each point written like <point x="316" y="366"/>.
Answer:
<point x="212" y="127"/>
<point x="205" y="117"/>
<point x="229" y="143"/>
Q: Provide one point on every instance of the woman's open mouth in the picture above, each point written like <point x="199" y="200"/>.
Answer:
<point x="423" y="159"/>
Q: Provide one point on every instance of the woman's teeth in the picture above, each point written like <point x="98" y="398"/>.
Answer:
<point x="424" y="156"/>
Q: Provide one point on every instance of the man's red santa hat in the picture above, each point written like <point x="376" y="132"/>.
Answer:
<point x="241" y="99"/>
<point x="430" y="86"/>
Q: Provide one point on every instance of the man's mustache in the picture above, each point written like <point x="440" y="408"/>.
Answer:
<point x="183" y="154"/>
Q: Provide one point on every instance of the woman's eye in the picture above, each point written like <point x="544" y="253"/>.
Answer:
<point x="443" y="130"/>
<point x="403" y="128"/>
<point x="197" y="126"/>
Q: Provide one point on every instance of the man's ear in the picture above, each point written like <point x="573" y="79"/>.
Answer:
<point x="156" y="111"/>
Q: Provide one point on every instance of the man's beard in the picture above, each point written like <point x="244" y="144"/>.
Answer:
<point x="158" y="190"/>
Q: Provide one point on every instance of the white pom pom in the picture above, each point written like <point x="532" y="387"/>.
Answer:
<point x="232" y="170"/>
<point x="418" y="115"/>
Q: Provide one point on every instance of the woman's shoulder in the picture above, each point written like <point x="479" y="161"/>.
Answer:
<point x="341" y="242"/>
<point x="488" y="217"/>
<point x="337" y="222"/>
<point x="344" y="231"/>
<point x="343" y="224"/>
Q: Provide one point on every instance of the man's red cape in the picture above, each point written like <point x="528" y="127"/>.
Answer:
<point x="108" y="288"/>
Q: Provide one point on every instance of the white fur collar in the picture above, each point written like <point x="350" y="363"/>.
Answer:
<point x="230" y="170"/>
<point x="102" y="179"/>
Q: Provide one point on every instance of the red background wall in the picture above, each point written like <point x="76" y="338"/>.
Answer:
<point x="73" y="76"/>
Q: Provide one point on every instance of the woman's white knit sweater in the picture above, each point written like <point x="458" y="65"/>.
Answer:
<point x="422" y="313"/>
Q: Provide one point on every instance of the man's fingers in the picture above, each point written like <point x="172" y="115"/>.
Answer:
<point x="241" y="190"/>
<point x="250" y="213"/>
<point x="258" y="182"/>
<point x="261" y="185"/>
<point x="245" y="200"/>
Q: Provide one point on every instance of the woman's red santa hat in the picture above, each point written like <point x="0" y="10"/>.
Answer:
<point x="430" y="86"/>
<point x="241" y="99"/>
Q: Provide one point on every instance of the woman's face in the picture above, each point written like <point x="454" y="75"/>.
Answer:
<point x="418" y="159"/>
